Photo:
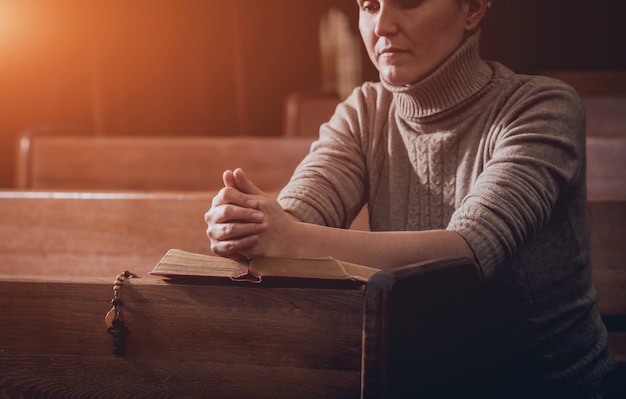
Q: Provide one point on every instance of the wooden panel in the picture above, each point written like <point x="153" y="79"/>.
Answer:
<point x="606" y="167"/>
<point x="157" y="163"/>
<point x="593" y="83"/>
<point x="92" y="234"/>
<point x="306" y="111"/>
<point x="184" y="341"/>
<point x="608" y="254"/>
<point x="97" y="234"/>
<point x="156" y="72"/>
<point x="618" y="344"/>
<point x="606" y="116"/>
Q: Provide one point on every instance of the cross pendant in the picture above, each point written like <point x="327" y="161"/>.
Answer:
<point x="119" y="332"/>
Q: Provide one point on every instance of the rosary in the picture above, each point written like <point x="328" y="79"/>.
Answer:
<point x="113" y="319"/>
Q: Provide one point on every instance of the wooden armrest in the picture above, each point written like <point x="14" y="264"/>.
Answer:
<point x="423" y="327"/>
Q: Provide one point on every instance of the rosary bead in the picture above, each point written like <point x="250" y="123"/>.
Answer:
<point x="113" y="320"/>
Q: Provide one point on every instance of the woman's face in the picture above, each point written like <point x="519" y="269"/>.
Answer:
<point x="408" y="39"/>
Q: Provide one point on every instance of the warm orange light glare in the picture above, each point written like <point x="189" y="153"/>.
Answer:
<point x="20" y="24"/>
<point x="7" y="22"/>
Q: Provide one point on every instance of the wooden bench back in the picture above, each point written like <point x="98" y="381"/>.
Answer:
<point x="608" y="252"/>
<point x="97" y="234"/>
<point x="593" y="83"/>
<point x="50" y="162"/>
<point x="606" y="167"/>
<point x="606" y="116"/>
<point x="606" y="190"/>
<point x="305" y="111"/>
<point x="73" y="162"/>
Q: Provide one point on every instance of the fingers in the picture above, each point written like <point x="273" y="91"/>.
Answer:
<point x="225" y="214"/>
<point x="231" y="195"/>
<point x="233" y="228"/>
<point x="244" y="184"/>
<point x="234" y="249"/>
<point x="237" y="189"/>
<point x="231" y="239"/>
<point x="229" y="179"/>
<point x="238" y="179"/>
<point x="234" y="220"/>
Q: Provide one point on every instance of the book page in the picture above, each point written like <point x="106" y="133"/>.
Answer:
<point x="314" y="268"/>
<point x="359" y="272"/>
<point x="182" y="263"/>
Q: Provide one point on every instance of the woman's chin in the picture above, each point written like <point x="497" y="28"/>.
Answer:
<point x="398" y="78"/>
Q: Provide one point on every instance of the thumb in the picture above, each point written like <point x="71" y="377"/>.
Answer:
<point x="244" y="184"/>
<point x="229" y="179"/>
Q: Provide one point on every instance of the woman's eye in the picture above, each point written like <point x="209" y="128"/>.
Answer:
<point x="370" y="6"/>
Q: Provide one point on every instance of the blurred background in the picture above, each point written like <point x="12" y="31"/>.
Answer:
<point x="207" y="67"/>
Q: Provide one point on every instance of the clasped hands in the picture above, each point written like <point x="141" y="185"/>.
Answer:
<point x="244" y="222"/>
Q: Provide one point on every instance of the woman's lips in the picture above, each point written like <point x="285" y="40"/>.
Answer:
<point x="391" y="52"/>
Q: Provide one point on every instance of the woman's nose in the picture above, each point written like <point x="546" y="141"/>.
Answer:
<point x="386" y="23"/>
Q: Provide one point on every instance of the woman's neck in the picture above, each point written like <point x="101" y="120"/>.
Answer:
<point x="460" y="76"/>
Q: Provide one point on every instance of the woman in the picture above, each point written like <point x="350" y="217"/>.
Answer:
<point x="454" y="156"/>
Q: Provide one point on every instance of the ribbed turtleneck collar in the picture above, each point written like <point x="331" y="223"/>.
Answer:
<point x="459" y="77"/>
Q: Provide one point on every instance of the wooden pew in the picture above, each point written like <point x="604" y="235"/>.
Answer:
<point x="76" y="162"/>
<point x="50" y="161"/>
<point x="188" y="340"/>
<point x="59" y="255"/>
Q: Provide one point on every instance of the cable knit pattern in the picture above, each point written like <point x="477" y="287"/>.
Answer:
<point x="496" y="157"/>
<point x="431" y="198"/>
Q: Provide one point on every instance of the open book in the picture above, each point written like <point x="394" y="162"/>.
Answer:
<point x="178" y="263"/>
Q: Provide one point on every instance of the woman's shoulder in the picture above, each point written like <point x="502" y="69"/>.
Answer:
<point x="527" y="93"/>
<point x="529" y="84"/>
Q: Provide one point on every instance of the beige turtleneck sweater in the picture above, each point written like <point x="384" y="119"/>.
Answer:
<point x="495" y="156"/>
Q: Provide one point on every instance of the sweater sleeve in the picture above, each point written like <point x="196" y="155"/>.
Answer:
<point x="329" y="186"/>
<point x="534" y="157"/>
